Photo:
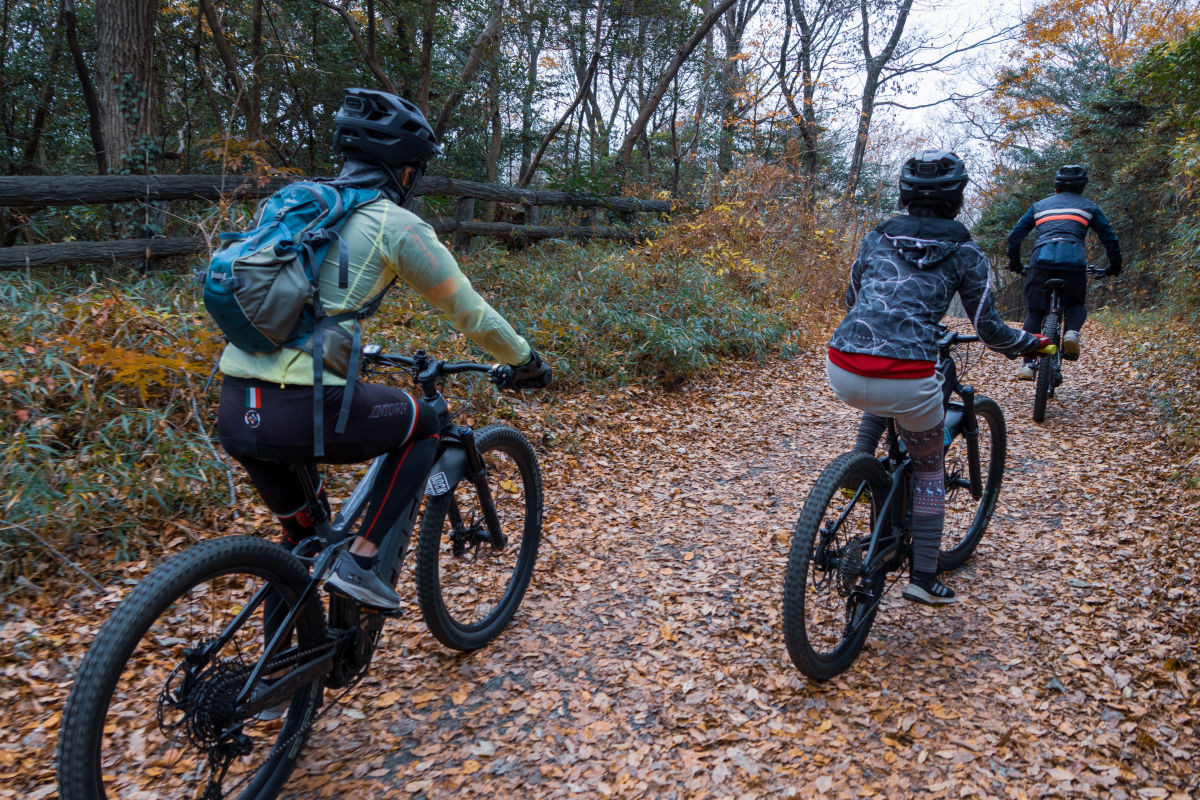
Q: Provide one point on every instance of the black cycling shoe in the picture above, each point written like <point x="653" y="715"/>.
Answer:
<point x="927" y="589"/>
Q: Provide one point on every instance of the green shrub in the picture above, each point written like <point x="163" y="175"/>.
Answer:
<point x="106" y="432"/>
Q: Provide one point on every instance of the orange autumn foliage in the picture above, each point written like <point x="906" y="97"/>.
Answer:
<point x="1062" y="37"/>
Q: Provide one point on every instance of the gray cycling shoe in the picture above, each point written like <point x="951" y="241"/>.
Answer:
<point x="1070" y="346"/>
<point x="364" y="585"/>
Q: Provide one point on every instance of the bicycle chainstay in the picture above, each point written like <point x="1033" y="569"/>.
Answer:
<point x="219" y="761"/>
<point x="840" y="577"/>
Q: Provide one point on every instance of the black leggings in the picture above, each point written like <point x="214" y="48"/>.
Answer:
<point x="1037" y="296"/>
<point x="269" y="430"/>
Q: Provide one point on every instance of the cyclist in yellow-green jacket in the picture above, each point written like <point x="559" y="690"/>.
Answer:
<point x="266" y="410"/>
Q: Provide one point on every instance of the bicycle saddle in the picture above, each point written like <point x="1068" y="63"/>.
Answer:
<point x="1057" y="284"/>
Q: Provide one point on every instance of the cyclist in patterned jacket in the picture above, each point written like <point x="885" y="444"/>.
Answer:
<point x="265" y="419"/>
<point x="1062" y="221"/>
<point x="882" y="356"/>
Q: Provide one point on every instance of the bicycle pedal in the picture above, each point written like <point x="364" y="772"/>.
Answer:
<point x="388" y="613"/>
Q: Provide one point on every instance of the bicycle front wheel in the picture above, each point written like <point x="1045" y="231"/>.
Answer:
<point x="152" y="712"/>
<point x="967" y="517"/>
<point x="828" y="603"/>
<point x="468" y="585"/>
<point x="1046" y="367"/>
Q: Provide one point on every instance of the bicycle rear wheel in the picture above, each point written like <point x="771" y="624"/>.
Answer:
<point x="468" y="586"/>
<point x="967" y="517"/>
<point x="828" y="605"/>
<point x="1046" y="367"/>
<point x="153" y="715"/>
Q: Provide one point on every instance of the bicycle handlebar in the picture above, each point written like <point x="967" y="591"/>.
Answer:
<point x="426" y="369"/>
<point x="1090" y="269"/>
<point x="950" y="338"/>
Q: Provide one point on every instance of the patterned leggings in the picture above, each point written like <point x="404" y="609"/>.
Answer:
<point x="929" y="483"/>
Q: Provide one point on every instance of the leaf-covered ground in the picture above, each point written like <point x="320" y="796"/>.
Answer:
<point x="648" y="657"/>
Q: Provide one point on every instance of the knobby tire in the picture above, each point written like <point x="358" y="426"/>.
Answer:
<point x="467" y="589"/>
<point x="118" y="738"/>
<point x="1045" y="369"/>
<point x="825" y="624"/>
<point x="967" y="518"/>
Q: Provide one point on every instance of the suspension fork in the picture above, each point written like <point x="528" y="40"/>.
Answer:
<point x="970" y="432"/>
<point x="477" y="471"/>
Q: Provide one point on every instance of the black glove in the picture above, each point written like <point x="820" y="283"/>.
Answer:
<point x="1014" y="264"/>
<point x="533" y="374"/>
<point x="1114" y="268"/>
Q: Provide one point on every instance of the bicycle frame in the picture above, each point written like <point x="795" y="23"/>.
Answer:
<point x="457" y="459"/>
<point x="895" y="515"/>
<point x="1054" y="306"/>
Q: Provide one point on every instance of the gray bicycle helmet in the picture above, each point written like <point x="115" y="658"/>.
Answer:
<point x="1070" y="178"/>
<point x="933" y="179"/>
<point x="382" y="128"/>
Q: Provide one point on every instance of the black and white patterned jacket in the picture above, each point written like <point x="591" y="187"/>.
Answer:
<point x="907" y="272"/>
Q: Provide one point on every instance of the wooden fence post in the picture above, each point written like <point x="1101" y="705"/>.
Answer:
<point x="464" y="212"/>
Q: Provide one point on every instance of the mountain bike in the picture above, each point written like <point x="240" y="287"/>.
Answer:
<point x="856" y="524"/>
<point x="1048" y="371"/>
<point x="209" y="676"/>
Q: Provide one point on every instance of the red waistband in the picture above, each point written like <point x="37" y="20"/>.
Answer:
<point x="870" y="366"/>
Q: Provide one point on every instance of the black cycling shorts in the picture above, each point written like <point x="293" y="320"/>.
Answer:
<point x="267" y="422"/>
<point x="1037" y="296"/>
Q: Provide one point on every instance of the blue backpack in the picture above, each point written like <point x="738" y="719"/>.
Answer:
<point x="262" y="286"/>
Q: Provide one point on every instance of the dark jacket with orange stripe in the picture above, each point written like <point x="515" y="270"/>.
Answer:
<point x="1062" y="221"/>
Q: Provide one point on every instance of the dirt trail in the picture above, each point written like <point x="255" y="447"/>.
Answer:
<point x="648" y="659"/>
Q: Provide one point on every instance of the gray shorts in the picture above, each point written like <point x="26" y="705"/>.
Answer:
<point x="915" y="403"/>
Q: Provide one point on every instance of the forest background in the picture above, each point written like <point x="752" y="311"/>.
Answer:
<point x="775" y="126"/>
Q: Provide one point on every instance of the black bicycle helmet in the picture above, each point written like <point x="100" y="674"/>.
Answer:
<point x="933" y="179"/>
<point x="1070" y="178"/>
<point x="383" y="128"/>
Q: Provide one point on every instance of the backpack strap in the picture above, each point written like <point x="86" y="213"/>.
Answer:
<point x="311" y="240"/>
<point x="318" y="354"/>
<point x="355" y="352"/>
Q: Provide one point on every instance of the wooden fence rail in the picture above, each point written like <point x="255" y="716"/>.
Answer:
<point x="43" y="191"/>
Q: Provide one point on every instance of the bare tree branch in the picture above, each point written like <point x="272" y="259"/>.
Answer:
<point x="355" y="34"/>
<point x="664" y="81"/>
<point x="489" y="32"/>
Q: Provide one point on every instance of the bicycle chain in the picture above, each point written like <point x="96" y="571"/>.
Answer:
<point x="304" y="729"/>
<point x="874" y="605"/>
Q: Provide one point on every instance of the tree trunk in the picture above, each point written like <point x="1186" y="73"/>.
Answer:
<point x="47" y="96"/>
<point x="871" y="82"/>
<point x="88" y="88"/>
<point x="427" y="56"/>
<point x="664" y="81"/>
<point x="253" y="127"/>
<point x="489" y="32"/>
<point x="527" y="174"/>
<point x="496" y="144"/>
<point x="364" y="48"/>
<point x="124" y="67"/>
<point x="254" y="120"/>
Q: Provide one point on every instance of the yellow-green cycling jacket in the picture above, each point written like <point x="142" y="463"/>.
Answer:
<point x="385" y="243"/>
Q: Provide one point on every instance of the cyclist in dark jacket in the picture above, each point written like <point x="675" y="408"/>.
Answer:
<point x="1062" y="221"/>
<point x="882" y="357"/>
